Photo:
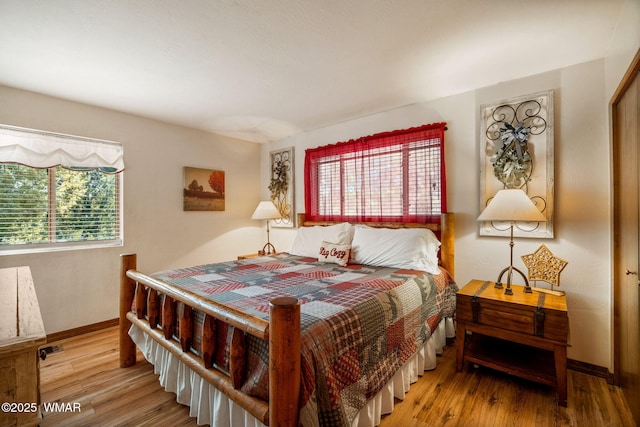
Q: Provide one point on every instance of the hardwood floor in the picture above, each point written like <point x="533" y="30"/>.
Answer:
<point x="85" y="372"/>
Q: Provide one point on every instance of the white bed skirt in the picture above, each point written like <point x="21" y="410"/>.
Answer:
<point x="212" y="407"/>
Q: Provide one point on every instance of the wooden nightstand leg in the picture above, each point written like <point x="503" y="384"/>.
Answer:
<point x="560" y="356"/>
<point x="460" y="337"/>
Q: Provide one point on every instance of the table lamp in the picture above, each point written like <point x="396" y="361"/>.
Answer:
<point x="511" y="205"/>
<point x="266" y="210"/>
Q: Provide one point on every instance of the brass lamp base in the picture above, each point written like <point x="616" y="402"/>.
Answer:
<point x="267" y="249"/>
<point x="509" y="270"/>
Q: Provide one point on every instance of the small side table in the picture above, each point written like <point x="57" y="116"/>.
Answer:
<point x="256" y="255"/>
<point x="525" y="335"/>
<point x="248" y="256"/>
<point x="21" y="333"/>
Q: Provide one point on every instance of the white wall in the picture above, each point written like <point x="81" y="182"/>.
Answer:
<point x="583" y="194"/>
<point x="624" y="45"/>
<point x="582" y="190"/>
<point x="80" y="287"/>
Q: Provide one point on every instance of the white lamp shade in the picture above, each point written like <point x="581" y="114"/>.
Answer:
<point x="266" y="210"/>
<point x="511" y="205"/>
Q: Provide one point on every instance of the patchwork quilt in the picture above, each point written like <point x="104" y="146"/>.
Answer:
<point x="359" y="323"/>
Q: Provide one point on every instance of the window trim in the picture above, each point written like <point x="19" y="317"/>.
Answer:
<point x="35" y="248"/>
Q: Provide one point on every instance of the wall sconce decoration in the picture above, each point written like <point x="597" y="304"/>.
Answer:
<point x="517" y="145"/>
<point x="281" y="186"/>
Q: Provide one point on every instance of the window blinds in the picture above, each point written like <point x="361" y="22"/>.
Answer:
<point x="387" y="177"/>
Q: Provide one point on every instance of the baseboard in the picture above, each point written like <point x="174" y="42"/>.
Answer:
<point x="588" y="368"/>
<point x="70" y="333"/>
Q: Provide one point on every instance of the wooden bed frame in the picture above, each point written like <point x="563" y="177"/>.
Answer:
<point x="282" y="331"/>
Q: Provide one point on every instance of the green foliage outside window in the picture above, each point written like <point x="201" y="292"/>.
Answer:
<point x="57" y="205"/>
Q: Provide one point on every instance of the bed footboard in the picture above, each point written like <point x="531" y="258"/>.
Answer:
<point x="158" y="320"/>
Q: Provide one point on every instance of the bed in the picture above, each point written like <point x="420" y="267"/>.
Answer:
<point x="295" y="338"/>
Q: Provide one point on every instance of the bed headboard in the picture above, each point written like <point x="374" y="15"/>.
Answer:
<point x="444" y="231"/>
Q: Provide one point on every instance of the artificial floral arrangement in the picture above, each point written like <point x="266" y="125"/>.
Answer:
<point x="279" y="184"/>
<point x="512" y="162"/>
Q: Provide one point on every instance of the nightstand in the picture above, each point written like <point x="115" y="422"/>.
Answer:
<point x="256" y="255"/>
<point x="522" y="334"/>
<point x="248" y="256"/>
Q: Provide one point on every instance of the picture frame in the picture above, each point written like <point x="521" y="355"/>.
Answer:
<point x="517" y="151"/>
<point x="281" y="186"/>
<point x="204" y="189"/>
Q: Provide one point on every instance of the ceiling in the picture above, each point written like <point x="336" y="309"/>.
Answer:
<point x="265" y="70"/>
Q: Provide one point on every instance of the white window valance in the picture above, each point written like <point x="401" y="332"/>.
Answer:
<point x="42" y="149"/>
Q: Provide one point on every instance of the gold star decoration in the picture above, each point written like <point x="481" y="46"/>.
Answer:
<point x="543" y="265"/>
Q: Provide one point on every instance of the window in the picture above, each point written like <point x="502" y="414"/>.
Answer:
<point x="73" y="201"/>
<point x="388" y="177"/>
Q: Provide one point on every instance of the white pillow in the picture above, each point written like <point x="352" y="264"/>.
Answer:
<point x="332" y="253"/>
<point x="309" y="239"/>
<point x="410" y="248"/>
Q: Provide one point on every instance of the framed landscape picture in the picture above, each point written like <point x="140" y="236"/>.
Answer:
<point x="203" y="189"/>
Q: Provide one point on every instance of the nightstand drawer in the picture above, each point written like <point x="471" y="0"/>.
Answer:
<point x="500" y="316"/>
